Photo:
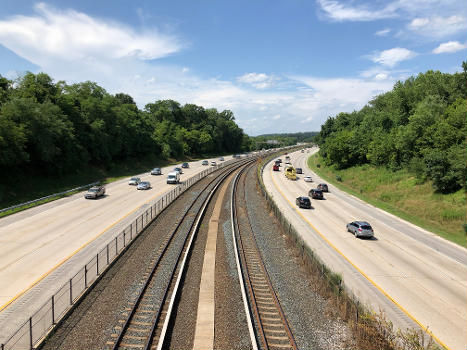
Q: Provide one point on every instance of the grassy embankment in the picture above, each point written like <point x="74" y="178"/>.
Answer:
<point x="401" y="194"/>
<point x="28" y="188"/>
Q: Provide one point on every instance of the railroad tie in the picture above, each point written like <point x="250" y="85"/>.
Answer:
<point x="129" y="345"/>
<point x="268" y="330"/>
<point x="282" y="346"/>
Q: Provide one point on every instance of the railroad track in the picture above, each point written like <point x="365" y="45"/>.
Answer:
<point x="271" y="329"/>
<point x="148" y="315"/>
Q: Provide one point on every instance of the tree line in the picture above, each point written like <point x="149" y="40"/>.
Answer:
<point x="56" y="128"/>
<point x="419" y="125"/>
<point x="280" y="140"/>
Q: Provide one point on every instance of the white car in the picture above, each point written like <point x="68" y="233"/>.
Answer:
<point x="307" y="178"/>
<point x="213" y="163"/>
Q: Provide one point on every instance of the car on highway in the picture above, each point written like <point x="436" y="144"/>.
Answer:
<point x="134" y="181"/>
<point x="144" y="185"/>
<point x="360" y="229"/>
<point x="95" y="192"/>
<point x="205" y="162"/>
<point x="156" y="171"/>
<point x="308" y="178"/>
<point x="316" y="194"/>
<point x="290" y="173"/>
<point x="180" y="171"/>
<point x="185" y="165"/>
<point x="221" y="159"/>
<point x="213" y="163"/>
<point x="299" y="170"/>
<point x="275" y="167"/>
<point x="323" y="187"/>
<point x="279" y="160"/>
<point x="303" y="202"/>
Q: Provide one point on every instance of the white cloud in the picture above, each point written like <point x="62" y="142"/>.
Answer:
<point x="437" y="27"/>
<point x="257" y="80"/>
<point x="339" y="12"/>
<point x="71" y="36"/>
<point x="383" y="32"/>
<point x="381" y="76"/>
<point x="430" y="19"/>
<point x="276" y="117"/>
<point x="392" y="57"/>
<point x="449" y="47"/>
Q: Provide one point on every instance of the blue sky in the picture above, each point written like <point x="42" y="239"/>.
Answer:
<point x="280" y="66"/>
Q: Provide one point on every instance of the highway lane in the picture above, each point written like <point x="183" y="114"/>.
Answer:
<point x="37" y="241"/>
<point x="424" y="275"/>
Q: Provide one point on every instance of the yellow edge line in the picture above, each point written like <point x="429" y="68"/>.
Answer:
<point x="358" y="269"/>
<point x="69" y="256"/>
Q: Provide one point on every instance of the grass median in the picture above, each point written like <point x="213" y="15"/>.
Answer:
<point x="400" y="193"/>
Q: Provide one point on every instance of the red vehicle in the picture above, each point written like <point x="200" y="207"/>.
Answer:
<point x="275" y="167"/>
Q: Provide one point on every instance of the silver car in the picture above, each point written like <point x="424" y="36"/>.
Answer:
<point x="134" y="181"/>
<point x="360" y="229"/>
<point x="156" y="171"/>
<point x="94" y="192"/>
<point x="145" y="185"/>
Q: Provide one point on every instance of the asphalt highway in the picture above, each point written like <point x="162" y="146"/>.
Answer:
<point x="412" y="275"/>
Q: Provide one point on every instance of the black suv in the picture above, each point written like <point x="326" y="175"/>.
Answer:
<point x="323" y="187"/>
<point x="185" y="165"/>
<point x="299" y="170"/>
<point x="94" y="192"/>
<point x="315" y="193"/>
<point x="303" y="202"/>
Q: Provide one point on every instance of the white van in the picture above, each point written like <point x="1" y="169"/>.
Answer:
<point x="173" y="177"/>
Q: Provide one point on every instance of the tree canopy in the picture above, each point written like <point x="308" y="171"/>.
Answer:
<point x="420" y="125"/>
<point x="55" y="128"/>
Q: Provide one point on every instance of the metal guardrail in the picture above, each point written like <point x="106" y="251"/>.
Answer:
<point x="47" y="197"/>
<point x="34" y="330"/>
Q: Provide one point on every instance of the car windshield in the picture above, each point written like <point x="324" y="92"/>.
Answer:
<point x="134" y="179"/>
<point x="366" y="227"/>
<point x="171" y="176"/>
<point x="93" y="189"/>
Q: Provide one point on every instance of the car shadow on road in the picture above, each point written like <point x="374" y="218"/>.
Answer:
<point x="369" y="238"/>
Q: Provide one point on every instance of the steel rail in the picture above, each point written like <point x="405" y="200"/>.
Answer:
<point x="141" y="294"/>
<point x="246" y="305"/>
<point x="268" y="280"/>
<point x="270" y="338"/>
<point x="194" y="229"/>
